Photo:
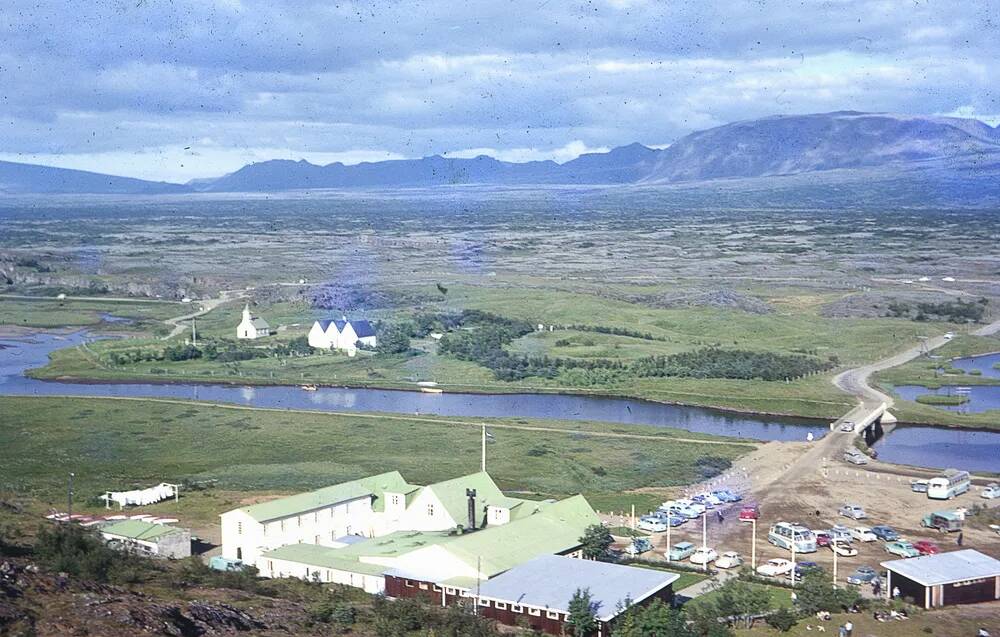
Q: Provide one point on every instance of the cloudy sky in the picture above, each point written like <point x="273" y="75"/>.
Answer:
<point x="178" y="89"/>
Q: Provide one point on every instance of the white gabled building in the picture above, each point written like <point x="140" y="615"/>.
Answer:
<point x="252" y="327"/>
<point x="341" y="334"/>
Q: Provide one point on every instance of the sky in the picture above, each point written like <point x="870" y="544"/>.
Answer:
<point x="181" y="89"/>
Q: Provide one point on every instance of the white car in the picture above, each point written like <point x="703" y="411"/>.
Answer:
<point x="652" y="524"/>
<point x="949" y="335"/>
<point x="991" y="491"/>
<point x="843" y="550"/>
<point x="775" y="567"/>
<point x="680" y="509"/>
<point x="729" y="559"/>
<point x="704" y="555"/>
<point x="863" y="534"/>
<point x="853" y="511"/>
<point x="691" y="504"/>
<point x="714" y="500"/>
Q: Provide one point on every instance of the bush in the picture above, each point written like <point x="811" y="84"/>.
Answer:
<point x="71" y="549"/>
<point x="782" y="619"/>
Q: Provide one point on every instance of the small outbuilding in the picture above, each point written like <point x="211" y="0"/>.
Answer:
<point x="537" y="593"/>
<point x="147" y="538"/>
<point x="944" y="579"/>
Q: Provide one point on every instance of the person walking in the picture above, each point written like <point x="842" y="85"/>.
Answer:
<point x="895" y="592"/>
<point x="876" y="587"/>
<point x="848" y="628"/>
<point x="720" y="516"/>
<point x="959" y="539"/>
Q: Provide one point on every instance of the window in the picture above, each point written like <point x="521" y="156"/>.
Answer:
<point x="423" y="586"/>
<point x="484" y="602"/>
<point x="552" y="614"/>
<point x="239" y="528"/>
<point x="395" y="500"/>
<point x="534" y="612"/>
<point x="448" y="590"/>
<point x="282" y="526"/>
<point x="501" y="605"/>
<point x="430" y="510"/>
<point x="408" y="583"/>
<point x="516" y="608"/>
<point x="436" y="588"/>
<point x="316" y="516"/>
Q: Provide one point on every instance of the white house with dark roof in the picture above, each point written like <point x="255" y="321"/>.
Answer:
<point x="252" y="327"/>
<point x="342" y="334"/>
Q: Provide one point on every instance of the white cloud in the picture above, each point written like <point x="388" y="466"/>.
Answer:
<point x="562" y="154"/>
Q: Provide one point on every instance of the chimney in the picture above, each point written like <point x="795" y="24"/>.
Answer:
<point x="471" y="494"/>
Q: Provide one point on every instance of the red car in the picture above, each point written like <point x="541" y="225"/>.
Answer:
<point x="750" y="512"/>
<point x="926" y="548"/>
<point x="823" y="538"/>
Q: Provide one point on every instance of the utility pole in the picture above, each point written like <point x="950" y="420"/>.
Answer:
<point x="835" y="547"/>
<point x="194" y="332"/>
<point x="69" y="496"/>
<point x="483" y="463"/>
<point x="793" y="558"/>
<point x="669" y="526"/>
<point x="704" y="535"/>
<point x="753" y="546"/>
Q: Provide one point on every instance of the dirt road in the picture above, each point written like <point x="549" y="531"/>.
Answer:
<point x="205" y="307"/>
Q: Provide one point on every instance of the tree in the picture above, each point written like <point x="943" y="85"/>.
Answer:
<point x="582" y="613"/>
<point x="817" y="593"/>
<point x="782" y="619"/>
<point x="596" y="541"/>
<point x="736" y="601"/>
<point x="393" y="339"/>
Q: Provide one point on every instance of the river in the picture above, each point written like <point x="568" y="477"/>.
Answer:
<point x="924" y="446"/>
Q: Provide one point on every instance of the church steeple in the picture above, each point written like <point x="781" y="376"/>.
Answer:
<point x="246" y="312"/>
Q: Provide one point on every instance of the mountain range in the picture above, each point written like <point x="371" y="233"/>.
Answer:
<point x="768" y="147"/>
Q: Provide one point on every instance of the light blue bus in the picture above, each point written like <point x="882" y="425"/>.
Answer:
<point x="946" y="486"/>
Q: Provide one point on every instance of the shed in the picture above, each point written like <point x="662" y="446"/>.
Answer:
<point x="958" y="577"/>
<point x="538" y="592"/>
<point x="146" y="537"/>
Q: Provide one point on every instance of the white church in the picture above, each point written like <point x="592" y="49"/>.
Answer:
<point x="251" y="326"/>
<point x="341" y="334"/>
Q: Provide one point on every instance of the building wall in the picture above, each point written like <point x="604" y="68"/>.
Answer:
<point x="971" y="592"/>
<point x="320" y="339"/>
<point x="374" y="584"/>
<point x="320" y="526"/>
<point x="175" y="546"/>
<point x="426" y="513"/>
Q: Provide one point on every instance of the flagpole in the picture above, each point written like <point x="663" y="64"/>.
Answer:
<point x="483" y="463"/>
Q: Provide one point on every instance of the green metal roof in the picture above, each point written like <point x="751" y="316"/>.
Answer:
<point x="394" y="544"/>
<point x="304" y="502"/>
<point x="324" y="557"/>
<point x="553" y="528"/>
<point x="139" y="530"/>
<point x="451" y="494"/>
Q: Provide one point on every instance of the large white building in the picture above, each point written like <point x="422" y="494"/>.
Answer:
<point x="341" y="334"/>
<point x="353" y="533"/>
<point x="251" y="326"/>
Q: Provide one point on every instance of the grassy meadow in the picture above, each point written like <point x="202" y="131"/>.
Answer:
<point x="117" y="444"/>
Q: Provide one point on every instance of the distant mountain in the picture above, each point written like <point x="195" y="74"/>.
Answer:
<point x="795" y="144"/>
<point x="28" y="178"/>
<point x="875" y="145"/>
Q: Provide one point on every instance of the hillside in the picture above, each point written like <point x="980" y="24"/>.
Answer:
<point x="31" y="179"/>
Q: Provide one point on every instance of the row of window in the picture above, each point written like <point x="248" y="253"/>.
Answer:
<point x="514" y="608"/>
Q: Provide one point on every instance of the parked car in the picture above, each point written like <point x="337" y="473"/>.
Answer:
<point x="801" y="568"/>
<point x="823" y="538"/>
<point x="918" y="486"/>
<point x="727" y="495"/>
<point x="855" y="457"/>
<point x="638" y="546"/>
<point x="729" y="559"/>
<point x="840" y="533"/>
<point x="862" y="575"/>
<point x="926" y="547"/>
<point x="775" y="567"/>
<point x="846" y="426"/>
<point x="683" y="508"/>
<point x="863" y="534"/>
<point x="902" y="548"/>
<point x="749" y="512"/>
<point x="991" y="491"/>
<point x="652" y="523"/>
<point x="885" y="532"/>
<point x="698" y="507"/>
<point x="843" y="550"/>
<point x="680" y="551"/>
<point x="704" y="501"/>
<point x="853" y="511"/>
<point x="703" y="555"/>
<point x="944" y="521"/>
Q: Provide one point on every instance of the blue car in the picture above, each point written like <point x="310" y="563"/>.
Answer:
<point x="884" y="532"/>
<point x="801" y="568"/>
<point x="727" y="496"/>
<point x="702" y="500"/>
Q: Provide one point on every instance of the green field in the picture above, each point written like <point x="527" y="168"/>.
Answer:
<point x="52" y="313"/>
<point x="115" y="444"/>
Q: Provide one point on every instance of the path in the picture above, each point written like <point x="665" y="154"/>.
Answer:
<point x="110" y="299"/>
<point x="207" y="306"/>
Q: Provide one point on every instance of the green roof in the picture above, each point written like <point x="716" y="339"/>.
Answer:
<point x="451" y="494"/>
<point x="553" y="528"/>
<point x="139" y="530"/>
<point x="305" y="502"/>
<point x="324" y="557"/>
